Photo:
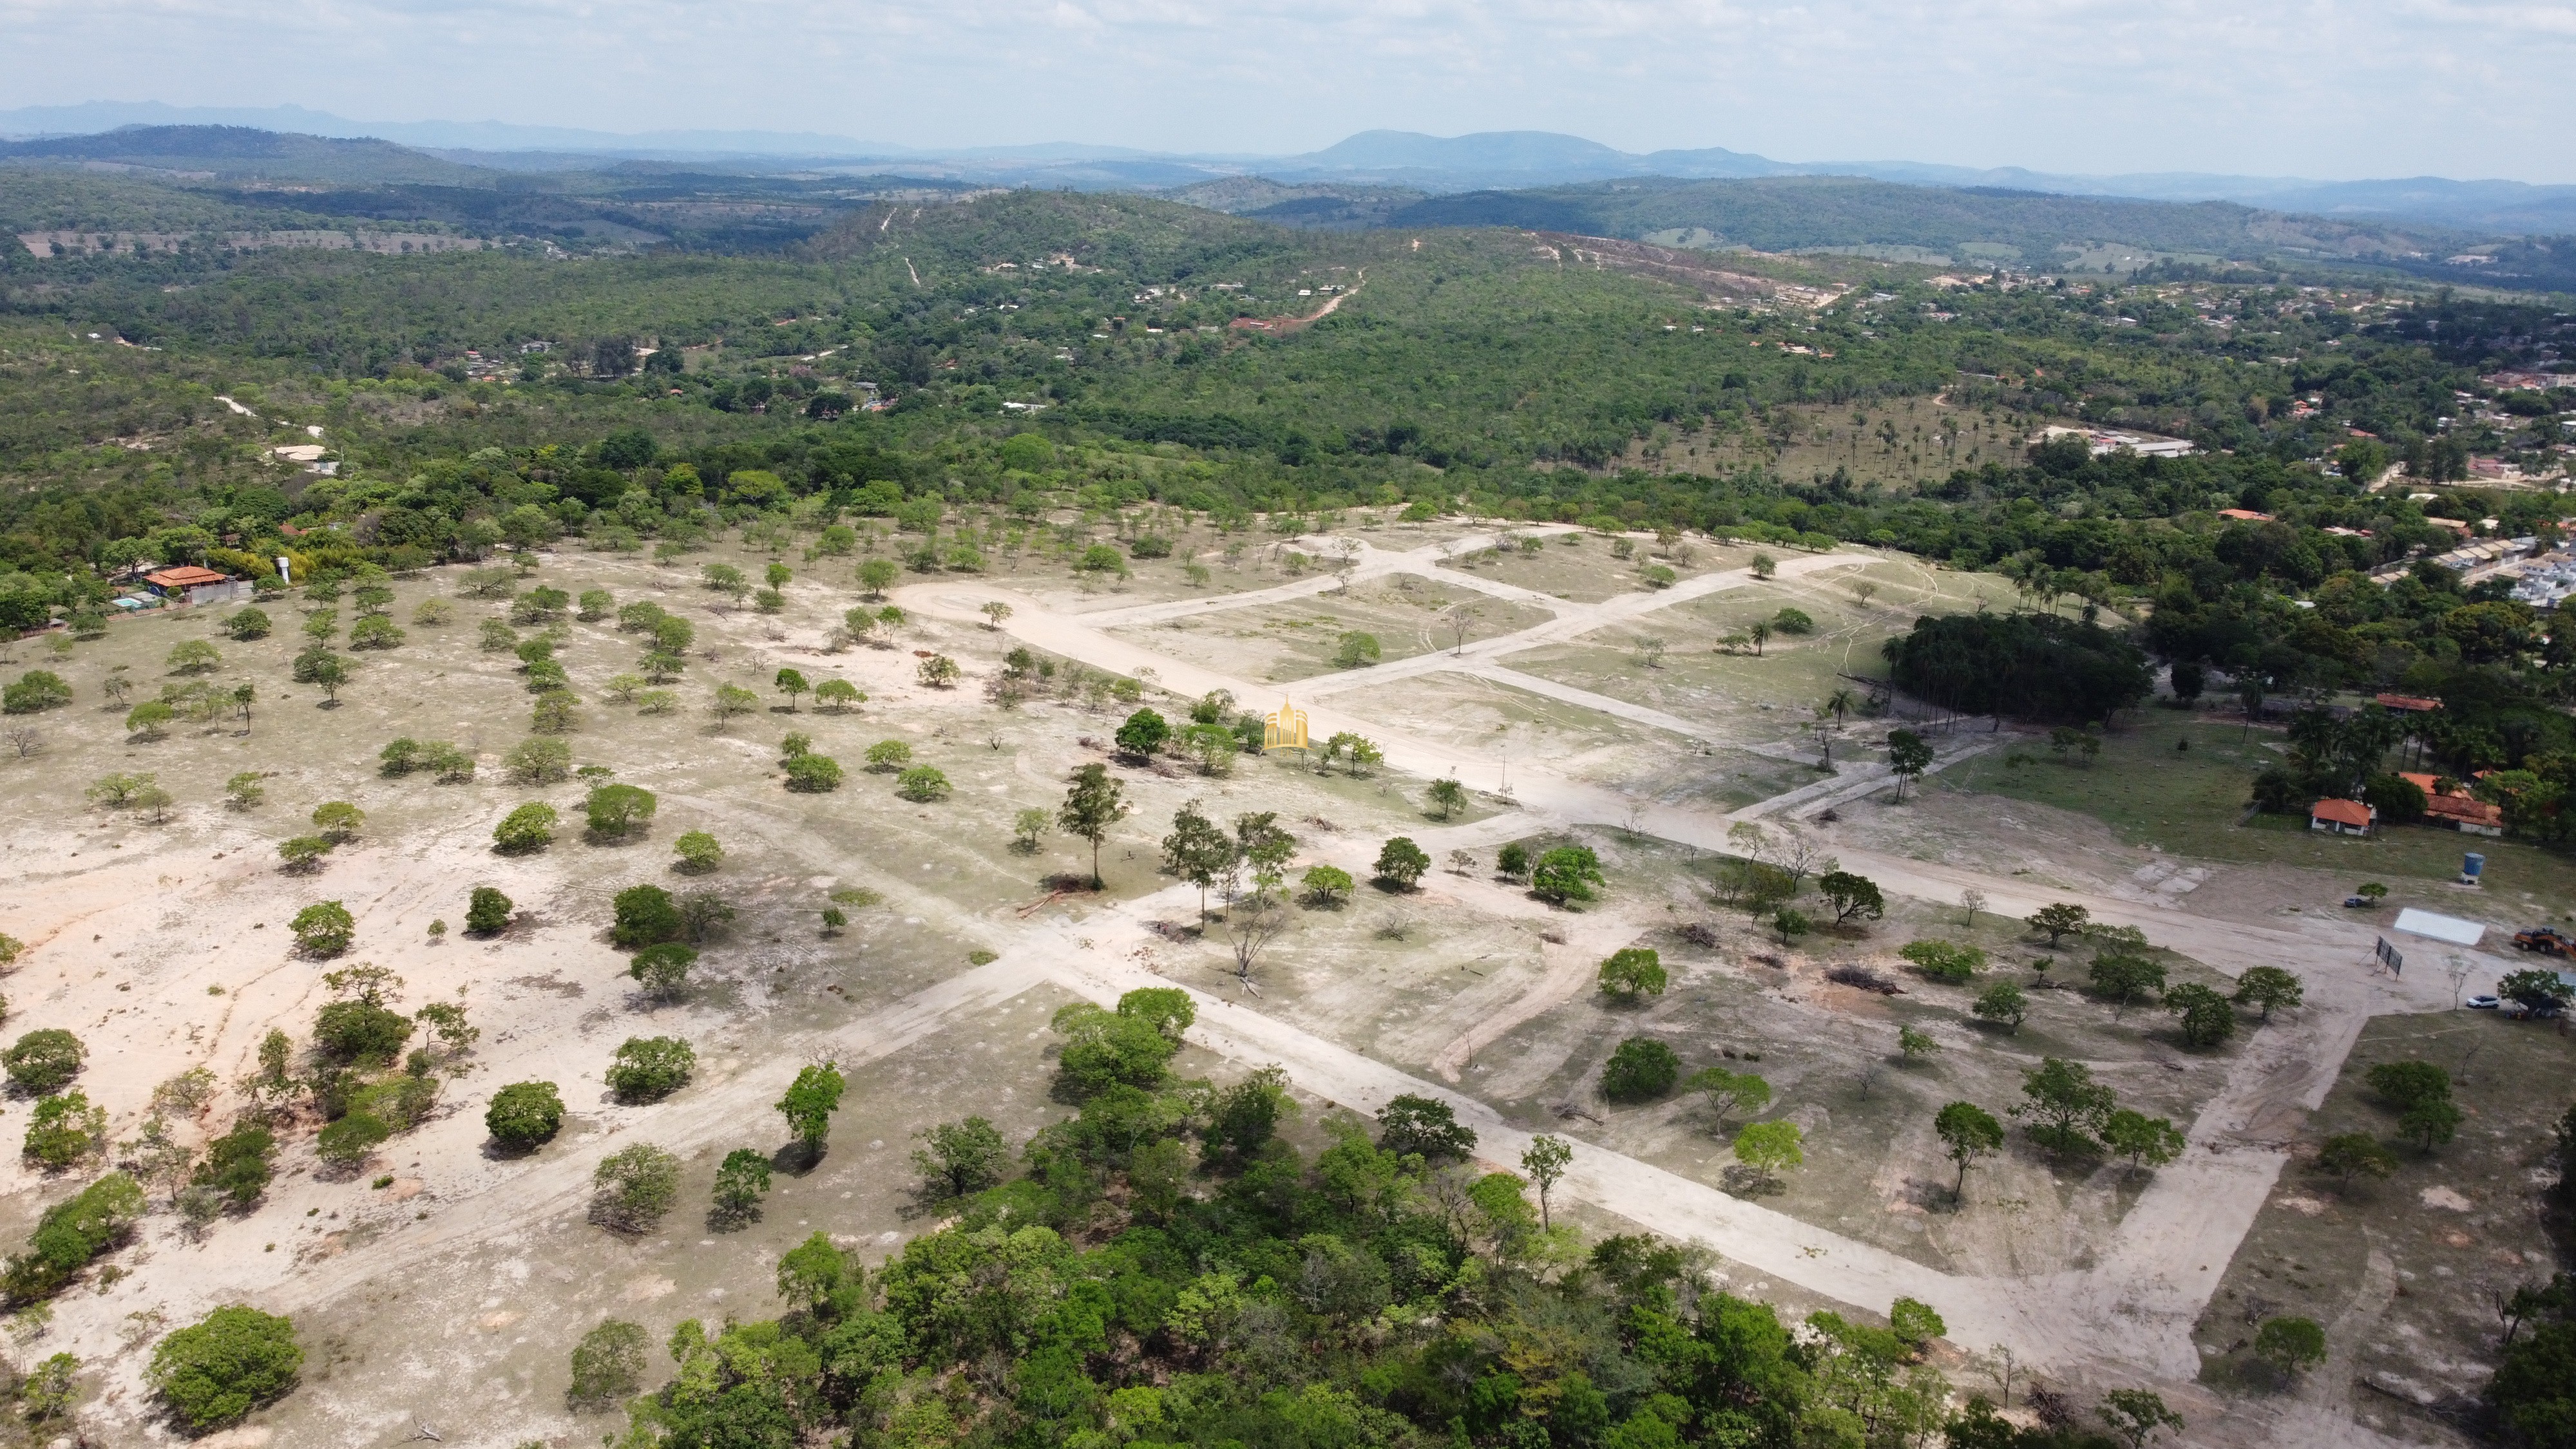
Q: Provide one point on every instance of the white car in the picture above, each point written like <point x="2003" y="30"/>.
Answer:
<point x="2483" y="1003"/>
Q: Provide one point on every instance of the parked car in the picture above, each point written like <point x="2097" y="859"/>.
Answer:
<point x="2358" y="903"/>
<point x="2483" y="1003"/>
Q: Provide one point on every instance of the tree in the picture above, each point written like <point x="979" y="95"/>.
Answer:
<point x="1764" y="565"/>
<point x="663" y="969"/>
<point x="1410" y="1125"/>
<point x="1092" y="804"/>
<point x="1769" y="1149"/>
<point x="633" y="1187"/>
<point x="876" y="573"/>
<point x="147" y="720"/>
<point x="1851" y="895"/>
<point x="2137" y="1415"/>
<point x="1791" y="923"/>
<point x="1759" y="631"/>
<point x="698" y="851"/>
<point x="1356" y="650"/>
<point x="812" y="774"/>
<point x="321" y="667"/>
<point x="1633" y="971"/>
<point x="742" y="1180"/>
<point x="193" y="656"/>
<point x="1197" y="850"/>
<point x="2430" y="1123"/>
<point x="2536" y="991"/>
<point x="2269" y="987"/>
<point x="2002" y="1002"/>
<point x="1733" y="1094"/>
<point x="646" y="916"/>
<point x="1908" y="756"/>
<point x="2408" y="1083"/>
<point x="1915" y="1324"/>
<point x="247" y="624"/>
<point x="218" y="1369"/>
<point x="2060" y="921"/>
<point x="2205" y="1016"/>
<point x="733" y="699"/>
<point x="49" y="1390"/>
<point x="1143" y="733"/>
<point x="2067" y="1103"/>
<point x="1967" y="1132"/>
<point x="1401" y="863"/>
<point x="616" y="811"/>
<point x="791" y="683"/>
<point x="961" y="1158"/>
<point x="836" y="696"/>
<point x="486" y="911"/>
<point x="1640" y="1069"/>
<point x="1326" y="885"/>
<point x="1448" y="797"/>
<point x="538" y="760"/>
<point x="244" y="790"/>
<point x="2290" y="1346"/>
<point x="2124" y="978"/>
<point x="921" y="783"/>
<point x="1915" y="1045"/>
<point x="1566" y="873"/>
<point x="938" y="672"/>
<point x="649" y="1068"/>
<point x="994" y="612"/>
<point x="531" y="827"/>
<point x="608" y="1366"/>
<point x="1545" y="1160"/>
<point x="2146" y="1141"/>
<point x="302" y="854"/>
<point x="809" y="1104"/>
<point x="885" y="757"/>
<point x="324" y="928"/>
<point x="524" y="1115"/>
<point x="2348" y="1155"/>
<point x="338" y="821"/>
<point x="43" y="1061"/>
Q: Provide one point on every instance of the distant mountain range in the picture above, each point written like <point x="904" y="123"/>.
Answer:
<point x="1431" y="165"/>
<point x="1498" y="160"/>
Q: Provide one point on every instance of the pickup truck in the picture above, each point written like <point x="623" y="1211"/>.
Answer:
<point x="2544" y="940"/>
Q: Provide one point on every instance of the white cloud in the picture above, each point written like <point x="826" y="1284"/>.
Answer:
<point x="2316" y="87"/>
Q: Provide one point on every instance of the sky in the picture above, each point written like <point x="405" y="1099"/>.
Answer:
<point x="2334" y="89"/>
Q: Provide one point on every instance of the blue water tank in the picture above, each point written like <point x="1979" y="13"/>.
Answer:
<point x="2470" y="865"/>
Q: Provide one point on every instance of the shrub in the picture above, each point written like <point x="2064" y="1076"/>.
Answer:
<point x="608" y="1364"/>
<point x="225" y="1365"/>
<point x="43" y="1061"/>
<point x="1639" y="1070"/>
<point x="1793" y="621"/>
<point x="248" y="624"/>
<point x="65" y="1129"/>
<point x="698" y="851"/>
<point x="538" y="760"/>
<point x="303" y="853"/>
<point x="239" y="1164"/>
<point x="663" y="969"/>
<point x="2002" y="1002"/>
<point x="1567" y="873"/>
<point x="921" y="783"/>
<point x="351" y="1140"/>
<point x="633" y="1187"/>
<point x="35" y="691"/>
<point x="649" y="1068"/>
<point x="530" y="827"/>
<point x="646" y="916"/>
<point x="614" y="810"/>
<point x="360" y="1031"/>
<point x="1143" y="733"/>
<point x="1943" y="960"/>
<point x="1512" y="861"/>
<point x="375" y="632"/>
<point x="812" y="774"/>
<point x="324" y="928"/>
<point x="524" y="1115"/>
<point x="72" y="1234"/>
<point x="486" y="910"/>
<point x="887" y="756"/>
<point x="338" y="821"/>
<point x="1326" y="885"/>
<point x="2290" y="1345"/>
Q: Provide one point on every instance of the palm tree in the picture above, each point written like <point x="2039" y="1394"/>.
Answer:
<point x="1839" y="703"/>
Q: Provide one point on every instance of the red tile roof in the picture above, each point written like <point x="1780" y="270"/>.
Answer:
<point x="2341" y="812"/>
<point x="2408" y="701"/>
<point x="2462" y="808"/>
<point x="185" y="576"/>
<point x="2246" y="514"/>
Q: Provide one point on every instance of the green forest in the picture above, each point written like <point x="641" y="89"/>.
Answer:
<point x="1034" y="369"/>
